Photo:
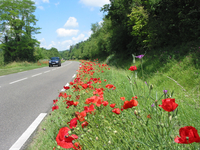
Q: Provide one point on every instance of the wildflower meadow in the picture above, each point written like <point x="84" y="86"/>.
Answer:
<point x="107" y="109"/>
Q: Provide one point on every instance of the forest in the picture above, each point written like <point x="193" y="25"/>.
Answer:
<point x="17" y="30"/>
<point x="129" y="27"/>
<point x="138" y="27"/>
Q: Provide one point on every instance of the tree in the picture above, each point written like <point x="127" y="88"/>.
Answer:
<point x="117" y="12"/>
<point x="17" y="25"/>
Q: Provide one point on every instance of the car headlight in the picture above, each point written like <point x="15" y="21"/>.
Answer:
<point x="49" y="61"/>
<point x="56" y="61"/>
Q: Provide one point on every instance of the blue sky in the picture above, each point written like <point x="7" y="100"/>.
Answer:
<point x="66" y="22"/>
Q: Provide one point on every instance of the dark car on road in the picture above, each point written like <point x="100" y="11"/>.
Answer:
<point x="54" y="61"/>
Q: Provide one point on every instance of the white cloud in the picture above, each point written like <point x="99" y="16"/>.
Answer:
<point x="37" y="2"/>
<point x="40" y="7"/>
<point x="42" y="42"/>
<point x="64" y="32"/>
<point x="95" y="3"/>
<point x="71" y="22"/>
<point x="89" y="33"/>
<point x="45" y="1"/>
<point x="67" y="42"/>
<point x="57" y="3"/>
<point x="64" y="45"/>
<point x="100" y="22"/>
<point x="80" y="38"/>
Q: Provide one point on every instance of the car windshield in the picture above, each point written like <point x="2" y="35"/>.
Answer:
<point x="54" y="58"/>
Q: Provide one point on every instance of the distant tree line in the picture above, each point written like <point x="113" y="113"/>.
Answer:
<point x="136" y="26"/>
<point x="42" y="53"/>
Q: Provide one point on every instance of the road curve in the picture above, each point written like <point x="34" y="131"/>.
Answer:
<point x="25" y="95"/>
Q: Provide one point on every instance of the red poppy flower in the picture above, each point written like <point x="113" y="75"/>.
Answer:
<point x="89" y="109"/>
<point x="76" y="103"/>
<point x="112" y="105"/>
<point x="134" y="97"/>
<point x="90" y="100"/>
<point x="54" y="107"/>
<point x="55" y="101"/>
<point x="80" y="115"/>
<point x="73" y="123"/>
<point x="109" y="86"/>
<point x="66" y="87"/>
<point x="188" y="134"/>
<point x="114" y="88"/>
<point x="64" y="140"/>
<point x="98" y="102"/>
<point x="84" y="124"/>
<point x="122" y="98"/>
<point x="132" y="68"/>
<point x="70" y="103"/>
<point x="169" y="104"/>
<point x="130" y="104"/>
<point x="149" y="116"/>
<point x="77" y="146"/>
<point x="84" y="86"/>
<point x="116" y="110"/>
<point x="77" y="97"/>
<point x="105" y="103"/>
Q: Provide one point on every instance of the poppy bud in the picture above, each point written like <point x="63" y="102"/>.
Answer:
<point x="58" y="147"/>
<point x="136" y="112"/>
<point x="136" y="74"/>
<point x="133" y="59"/>
<point x="151" y="87"/>
<point x="69" y="132"/>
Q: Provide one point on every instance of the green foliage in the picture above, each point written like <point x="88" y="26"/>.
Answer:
<point x="1" y="56"/>
<point x="17" y="27"/>
<point x="174" y="22"/>
<point x="145" y="126"/>
<point x="139" y="20"/>
<point x="136" y="26"/>
<point x="15" y="67"/>
<point x="42" y="53"/>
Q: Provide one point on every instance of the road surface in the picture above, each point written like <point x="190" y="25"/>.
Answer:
<point x="25" y="95"/>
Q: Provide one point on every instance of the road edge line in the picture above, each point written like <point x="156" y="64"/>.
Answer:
<point x="24" y="137"/>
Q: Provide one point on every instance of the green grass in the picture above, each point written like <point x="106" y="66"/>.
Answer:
<point x="132" y="129"/>
<point x="15" y="67"/>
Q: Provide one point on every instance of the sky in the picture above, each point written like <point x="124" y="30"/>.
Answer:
<point x="66" y="22"/>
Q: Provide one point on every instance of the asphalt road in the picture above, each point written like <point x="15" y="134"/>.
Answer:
<point x="24" y="95"/>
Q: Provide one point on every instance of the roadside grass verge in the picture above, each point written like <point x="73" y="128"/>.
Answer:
<point x="15" y="67"/>
<point x="141" y="126"/>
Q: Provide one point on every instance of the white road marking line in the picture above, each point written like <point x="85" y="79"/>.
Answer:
<point x="47" y="71"/>
<point x="2" y="76"/>
<point x="36" y="75"/>
<point x="74" y="75"/>
<point x="62" y="90"/>
<point x="24" y="137"/>
<point x="17" y="80"/>
<point x="54" y="69"/>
